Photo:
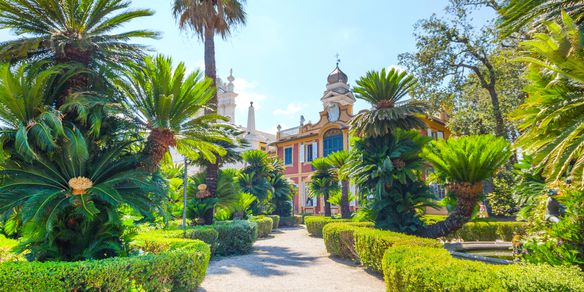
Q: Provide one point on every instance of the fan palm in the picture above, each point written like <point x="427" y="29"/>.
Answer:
<point x="463" y="163"/>
<point x="170" y="105"/>
<point x="517" y="14"/>
<point x="551" y="120"/>
<point x="26" y="121"/>
<point x="207" y="19"/>
<point x="339" y="160"/>
<point x="323" y="182"/>
<point x="383" y="90"/>
<point x="69" y="200"/>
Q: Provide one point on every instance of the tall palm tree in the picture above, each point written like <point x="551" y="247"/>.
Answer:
<point x="339" y="160"/>
<point x="383" y="90"/>
<point x="170" y="105"/>
<point x="209" y="18"/>
<point x="323" y="182"/>
<point x="551" y="120"/>
<point x="463" y="163"/>
<point x="79" y="31"/>
<point x="517" y="14"/>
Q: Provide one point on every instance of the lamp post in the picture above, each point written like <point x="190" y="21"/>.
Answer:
<point x="185" y="185"/>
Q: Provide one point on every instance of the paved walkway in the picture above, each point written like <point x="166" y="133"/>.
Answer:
<point x="289" y="261"/>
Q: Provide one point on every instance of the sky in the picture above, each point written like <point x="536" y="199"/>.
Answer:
<point x="282" y="56"/>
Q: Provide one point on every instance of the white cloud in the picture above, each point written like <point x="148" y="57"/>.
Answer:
<point x="291" y="109"/>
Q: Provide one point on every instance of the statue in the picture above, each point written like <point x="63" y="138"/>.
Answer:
<point x="203" y="192"/>
<point x="554" y="210"/>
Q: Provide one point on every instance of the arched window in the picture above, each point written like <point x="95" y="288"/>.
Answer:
<point x="333" y="141"/>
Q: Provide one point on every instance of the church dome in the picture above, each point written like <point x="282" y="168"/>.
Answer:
<point x="337" y="76"/>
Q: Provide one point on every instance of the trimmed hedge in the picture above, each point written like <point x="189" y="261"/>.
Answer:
<point x="416" y="268"/>
<point x="489" y="231"/>
<point x="265" y="225"/>
<point x="339" y="240"/>
<point x="206" y="234"/>
<point x="235" y="237"/>
<point x="314" y="224"/>
<point x="276" y="219"/>
<point x="182" y="268"/>
<point x="290" y="221"/>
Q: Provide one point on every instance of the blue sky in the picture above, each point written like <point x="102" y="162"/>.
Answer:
<point x="282" y="57"/>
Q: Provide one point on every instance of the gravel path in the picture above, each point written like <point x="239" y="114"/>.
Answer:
<point x="289" y="261"/>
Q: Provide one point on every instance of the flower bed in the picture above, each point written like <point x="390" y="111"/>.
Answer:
<point x="181" y="267"/>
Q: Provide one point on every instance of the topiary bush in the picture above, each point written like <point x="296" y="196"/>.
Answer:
<point x="265" y="225"/>
<point x="206" y="234"/>
<point x="181" y="267"/>
<point x="489" y="231"/>
<point x="420" y="268"/>
<point x="371" y="244"/>
<point x="291" y="221"/>
<point x="339" y="238"/>
<point x="276" y="219"/>
<point x="235" y="237"/>
<point x="314" y="224"/>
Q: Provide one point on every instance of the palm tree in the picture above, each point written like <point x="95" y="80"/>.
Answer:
<point x="383" y="90"/>
<point x="255" y="175"/>
<point x="69" y="200"/>
<point x="551" y="120"/>
<point x="339" y="161"/>
<point x="26" y="121"/>
<point x="516" y="14"/>
<point x="208" y="18"/>
<point x="323" y="182"/>
<point x="463" y="163"/>
<point x="170" y="105"/>
<point x="78" y="31"/>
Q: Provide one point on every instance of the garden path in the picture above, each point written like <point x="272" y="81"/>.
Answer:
<point x="290" y="260"/>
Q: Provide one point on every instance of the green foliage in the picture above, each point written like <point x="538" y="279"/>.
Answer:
<point x="323" y="182"/>
<point x="470" y="159"/>
<point x="212" y="18"/>
<point x="388" y="172"/>
<point x="501" y="200"/>
<point x="422" y="268"/>
<point x="315" y="224"/>
<point x="282" y="193"/>
<point x="228" y="198"/>
<point x="371" y="244"/>
<point x="517" y="15"/>
<point x="276" y="220"/>
<point x="156" y="241"/>
<point x="339" y="239"/>
<point x="551" y="120"/>
<point x="265" y="225"/>
<point x="489" y="231"/>
<point x="530" y="186"/>
<point x="336" y="199"/>
<point x="6" y="250"/>
<point x="383" y="90"/>
<point x="290" y="221"/>
<point x="79" y="31"/>
<point x="180" y="268"/>
<point x="235" y="237"/>
<point x="66" y="226"/>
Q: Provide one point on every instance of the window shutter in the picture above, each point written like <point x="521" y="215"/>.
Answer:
<point x="301" y="153"/>
<point x="314" y="150"/>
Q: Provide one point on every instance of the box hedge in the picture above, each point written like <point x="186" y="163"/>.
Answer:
<point x="339" y="240"/>
<point x="180" y="268"/>
<point x="290" y="221"/>
<point x="276" y="219"/>
<point x="206" y="234"/>
<point x="419" y="268"/>
<point x="265" y="225"/>
<point x="314" y="224"/>
<point x="489" y="231"/>
<point x="235" y="237"/>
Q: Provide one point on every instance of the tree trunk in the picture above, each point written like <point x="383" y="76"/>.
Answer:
<point x="499" y="122"/>
<point x="159" y="140"/>
<point x="345" y="210"/>
<point x="211" y="73"/>
<point x="465" y="203"/>
<point x="327" y="206"/>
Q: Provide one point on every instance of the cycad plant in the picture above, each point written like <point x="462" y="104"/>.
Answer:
<point x="169" y="104"/>
<point x="462" y="163"/>
<point x="255" y="176"/>
<point x="551" y="120"/>
<point x="68" y="200"/>
<point x="518" y="14"/>
<point x="323" y="182"/>
<point x="339" y="161"/>
<point x="384" y="90"/>
<point x="388" y="171"/>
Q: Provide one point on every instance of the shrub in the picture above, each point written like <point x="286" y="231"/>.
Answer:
<point x="314" y="224"/>
<point x="370" y="245"/>
<point x="265" y="225"/>
<point x="291" y="221"/>
<point x="418" y="268"/>
<point x="489" y="231"/>
<point x="339" y="239"/>
<point x="6" y="246"/>
<point x="235" y="237"/>
<point x="206" y="234"/>
<point x="276" y="219"/>
<point x="182" y="268"/>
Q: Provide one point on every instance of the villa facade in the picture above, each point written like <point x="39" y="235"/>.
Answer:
<point x="298" y="146"/>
